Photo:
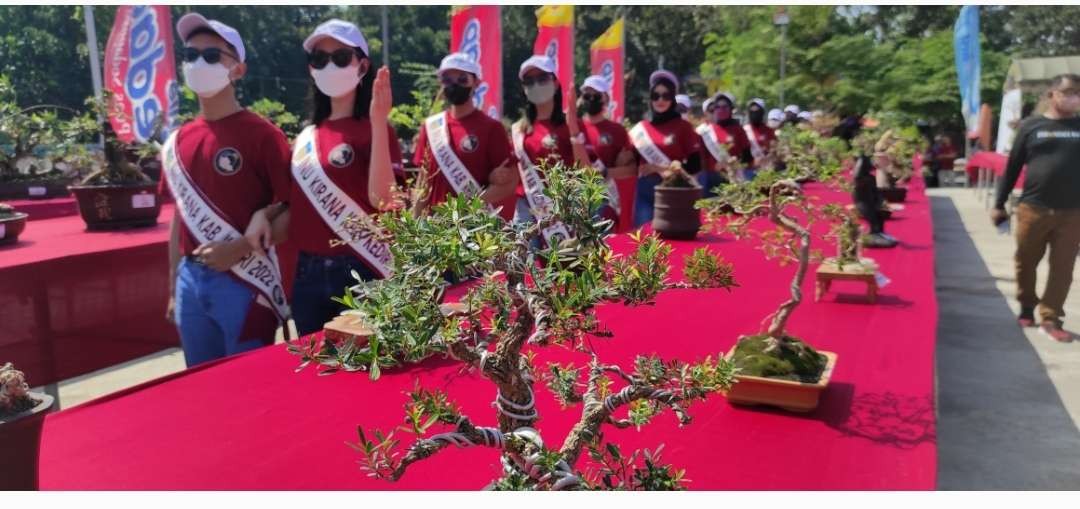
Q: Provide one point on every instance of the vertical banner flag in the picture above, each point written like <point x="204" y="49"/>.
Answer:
<point x="555" y="38"/>
<point x="476" y="30"/>
<point x="606" y="57"/>
<point x="968" y="66"/>
<point x="140" y="72"/>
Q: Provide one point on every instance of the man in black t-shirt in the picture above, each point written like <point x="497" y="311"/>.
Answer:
<point x="1049" y="210"/>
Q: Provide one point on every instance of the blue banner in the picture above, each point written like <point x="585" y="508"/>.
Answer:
<point x="968" y="66"/>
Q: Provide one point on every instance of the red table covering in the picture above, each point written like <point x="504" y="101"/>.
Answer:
<point x="48" y="208"/>
<point x="992" y="161"/>
<point x="250" y="422"/>
<point x="73" y="301"/>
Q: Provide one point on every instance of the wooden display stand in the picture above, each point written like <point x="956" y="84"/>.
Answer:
<point x="830" y="271"/>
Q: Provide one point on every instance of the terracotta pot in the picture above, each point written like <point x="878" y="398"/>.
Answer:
<point x="11" y="227"/>
<point x="34" y="189"/>
<point x="112" y="207"/>
<point x="674" y="215"/>
<point x="20" y="439"/>
<point x="786" y="394"/>
<point x="894" y="194"/>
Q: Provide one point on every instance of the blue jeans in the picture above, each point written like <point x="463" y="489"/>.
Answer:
<point x="710" y="180"/>
<point x="646" y="193"/>
<point x="211" y="312"/>
<point x="318" y="278"/>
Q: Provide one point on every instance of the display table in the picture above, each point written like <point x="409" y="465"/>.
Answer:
<point x="72" y="301"/>
<point x="251" y="423"/>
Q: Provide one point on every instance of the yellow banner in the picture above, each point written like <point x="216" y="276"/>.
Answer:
<point x="612" y="38"/>
<point x="555" y="16"/>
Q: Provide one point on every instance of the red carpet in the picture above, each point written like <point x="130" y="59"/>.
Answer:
<point x="250" y="422"/>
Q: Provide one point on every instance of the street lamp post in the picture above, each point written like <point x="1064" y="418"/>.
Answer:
<point x="781" y="20"/>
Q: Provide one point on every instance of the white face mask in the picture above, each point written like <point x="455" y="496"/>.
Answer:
<point x="336" y="81"/>
<point x="205" y="79"/>
<point x="540" y="94"/>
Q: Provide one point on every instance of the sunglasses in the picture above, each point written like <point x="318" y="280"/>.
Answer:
<point x="543" y="79"/>
<point x="210" y="55"/>
<point x="666" y="96"/>
<point x="341" y="58"/>
<point x="462" y="80"/>
<point x="592" y="97"/>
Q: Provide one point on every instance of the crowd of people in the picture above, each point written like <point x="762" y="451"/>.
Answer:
<point x="241" y="188"/>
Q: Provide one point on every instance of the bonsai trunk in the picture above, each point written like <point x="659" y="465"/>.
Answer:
<point x="776" y="215"/>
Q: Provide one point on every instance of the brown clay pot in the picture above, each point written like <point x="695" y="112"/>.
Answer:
<point x="113" y="207"/>
<point x="34" y="189"/>
<point x="11" y="227"/>
<point x="674" y="215"/>
<point x="786" y="394"/>
<point x="20" y="439"/>
<point x="894" y="194"/>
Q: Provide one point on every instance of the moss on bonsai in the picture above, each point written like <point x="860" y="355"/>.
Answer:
<point x="794" y="360"/>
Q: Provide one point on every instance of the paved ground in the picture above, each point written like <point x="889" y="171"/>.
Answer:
<point x="1008" y="399"/>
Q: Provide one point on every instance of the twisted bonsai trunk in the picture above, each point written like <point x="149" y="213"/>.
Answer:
<point x="776" y="215"/>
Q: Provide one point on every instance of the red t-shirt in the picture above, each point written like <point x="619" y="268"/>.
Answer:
<point x="547" y="141"/>
<point x="676" y="138"/>
<point x="240" y="163"/>
<point x="605" y="140"/>
<point x="731" y="135"/>
<point x="764" y="135"/>
<point x="478" y="140"/>
<point x="344" y="147"/>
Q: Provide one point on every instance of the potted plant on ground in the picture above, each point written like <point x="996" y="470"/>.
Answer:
<point x="775" y="367"/>
<point x="520" y="304"/>
<point x="32" y="149"/>
<point x="21" y="415"/>
<point x="116" y="194"/>
<point x="12" y="224"/>
<point x="674" y="215"/>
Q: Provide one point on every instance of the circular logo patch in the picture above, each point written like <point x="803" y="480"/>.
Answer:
<point x="605" y="139"/>
<point x="341" y="156"/>
<point x="549" y="142"/>
<point x="227" y="161"/>
<point x="470" y="143"/>
<point x="669" y="139"/>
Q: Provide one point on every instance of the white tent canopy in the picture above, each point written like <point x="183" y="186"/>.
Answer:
<point x="1027" y="76"/>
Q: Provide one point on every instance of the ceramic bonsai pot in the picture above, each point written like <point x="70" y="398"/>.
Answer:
<point x="112" y="207"/>
<point x="674" y="215"/>
<point x="789" y="395"/>
<point x="20" y="439"/>
<point x="11" y="227"/>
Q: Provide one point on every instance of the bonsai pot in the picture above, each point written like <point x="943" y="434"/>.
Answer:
<point x="20" y="439"/>
<point x="789" y="395"/>
<point x="118" y="206"/>
<point x="894" y="194"/>
<point x="674" y="216"/>
<point x="34" y="189"/>
<point x="11" y="226"/>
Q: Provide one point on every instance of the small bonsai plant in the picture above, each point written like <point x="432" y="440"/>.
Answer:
<point x="14" y="392"/>
<point x="523" y="299"/>
<point x="778" y="196"/>
<point x="113" y="166"/>
<point x="34" y="141"/>
<point x="893" y="150"/>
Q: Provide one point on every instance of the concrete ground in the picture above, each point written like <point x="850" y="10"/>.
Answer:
<point x="1008" y="398"/>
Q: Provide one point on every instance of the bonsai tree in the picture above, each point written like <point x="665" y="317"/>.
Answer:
<point x="778" y="196"/>
<point x="34" y="141"/>
<point x="6" y="211"/>
<point x="893" y="150"/>
<point x="114" y="165"/>
<point x="14" y="392"/>
<point x="523" y="299"/>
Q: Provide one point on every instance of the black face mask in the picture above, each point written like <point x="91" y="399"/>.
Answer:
<point x="594" y="106"/>
<point x="457" y="94"/>
<point x="757" y="116"/>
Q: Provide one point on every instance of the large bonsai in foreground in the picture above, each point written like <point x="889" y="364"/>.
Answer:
<point x="523" y="299"/>
<point x="778" y="196"/>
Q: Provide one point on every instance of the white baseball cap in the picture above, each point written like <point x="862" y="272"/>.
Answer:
<point x="758" y="101"/>
<point x="344" y="32"/>
<point x="542" y="62"/>
<point x="775" y="115"/>
<point x="806" y="115"/>
<point x="792" y="108"/>
<point x="662" y="74"/>
<point x="683" y="100"/>
<point x="459" y="62"/>
<point x="716" y="97"/>
<point x="193" y="21"/>
<point x="597" y="83"/>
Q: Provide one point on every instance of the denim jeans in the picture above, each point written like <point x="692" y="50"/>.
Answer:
<point x="211" y="312"/>
<point x="646" y="193"/>
<point x="318" y="278"/>
<point x="710" y="180"/>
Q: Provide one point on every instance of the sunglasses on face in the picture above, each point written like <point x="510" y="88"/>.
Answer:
<point x="662" y="96"/>
<point x="461" y="79"/>
<point x="1069" y="91"/>
<point x="542" y="79"/>
<point x="341" y="58"/>
<point x="592" y="97"/>
<point x="210" y="55"/>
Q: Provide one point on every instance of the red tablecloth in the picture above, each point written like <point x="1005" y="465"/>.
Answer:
<point x="250" y="422"/>
<point x="992" y="161"/>
<point x="73" y="301"/>
<point x="47" y="209"/>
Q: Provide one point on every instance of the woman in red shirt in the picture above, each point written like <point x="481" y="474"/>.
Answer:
<point x="661" y="140"/>
<point x="342" y="165"/>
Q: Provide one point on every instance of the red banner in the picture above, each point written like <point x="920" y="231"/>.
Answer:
<point x="140" y="72"/>
<point x="606" y="57"/>
<point x="477" y="31"/>
<point x="555" y="38"/>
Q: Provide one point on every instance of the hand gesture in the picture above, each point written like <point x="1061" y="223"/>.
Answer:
<point x="381" y="98"/>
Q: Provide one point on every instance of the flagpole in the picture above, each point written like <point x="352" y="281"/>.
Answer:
<point x="95" y="59"/>
<point x="386" y="37"/>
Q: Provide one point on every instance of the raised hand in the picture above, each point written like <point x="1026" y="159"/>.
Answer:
<point x="381" y="98"/>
